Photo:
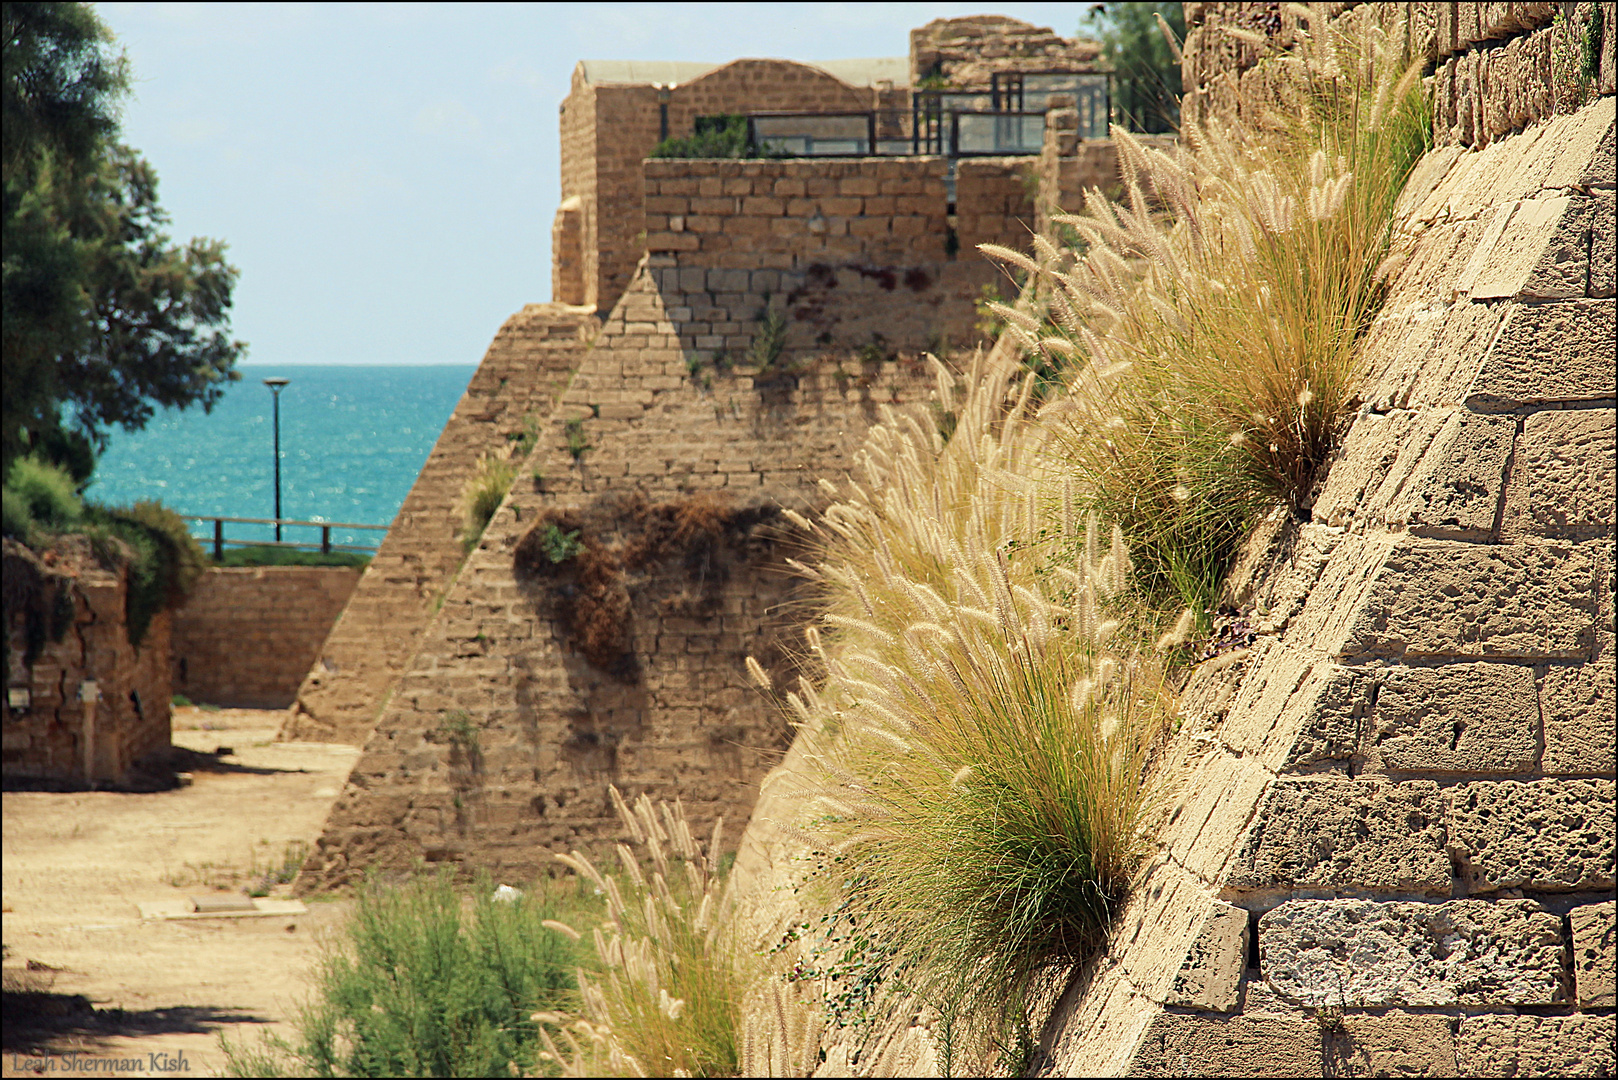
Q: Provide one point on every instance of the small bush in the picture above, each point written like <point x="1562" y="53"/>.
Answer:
<point x="770" y="340"/>
<point x="40" y="498"/>
<point x="577" y="444"/>
<point x="484" y="493"/>
<point x="559" y="546"/>
<point x="722" y="136"/>
<point x="164" y="559"/>
<point x="264" y="555"/>
<point x="417" y="988"/>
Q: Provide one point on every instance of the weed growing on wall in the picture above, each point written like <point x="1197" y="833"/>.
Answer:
<point x="981" y="743"/>
<point x="484" y="493"/>
<point x="1207" y="332"/>
<point x="669" y="996"/>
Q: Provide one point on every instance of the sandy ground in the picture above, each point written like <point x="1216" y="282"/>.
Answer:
<point x="76" y="865"/>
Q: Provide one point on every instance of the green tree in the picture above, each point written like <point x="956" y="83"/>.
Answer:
<point x="105" y="318"/>
<point x="1146" y="83"/>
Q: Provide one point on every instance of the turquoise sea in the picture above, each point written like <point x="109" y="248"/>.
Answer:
<point x="353" y="439"/>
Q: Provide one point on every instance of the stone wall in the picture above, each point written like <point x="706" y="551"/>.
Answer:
<point x="537" y="685"/>
<point x="1492" y="68"/>
<point x="854" y="253"/>
<point x="245" y="638"/>
<point x="526" y="368"/>
<point x="60" y="735"/>
<point x="968" y="51"/>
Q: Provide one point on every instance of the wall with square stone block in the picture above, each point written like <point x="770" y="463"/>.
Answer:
<point x="246" y="637"/>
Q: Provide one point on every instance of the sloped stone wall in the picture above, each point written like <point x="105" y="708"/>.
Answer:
<point x="1392" y="848"/>
<point x="497" y="746"/>
<point x="526" y="368"/>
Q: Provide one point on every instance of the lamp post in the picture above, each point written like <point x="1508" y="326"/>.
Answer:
<point x="276" y="386"/>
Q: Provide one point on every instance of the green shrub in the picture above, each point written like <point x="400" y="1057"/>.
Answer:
<point x="577" y="444"/>
<point x="40" y="498"/>
<point x="723" y="136"/>
<point x="164" y="559"/>
<point x="416" y="987"/>
<point x="265" y="555"/>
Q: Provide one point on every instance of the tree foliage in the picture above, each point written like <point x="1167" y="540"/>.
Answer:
<point x="1146" y="86"/>
<point x="105" y="318"/>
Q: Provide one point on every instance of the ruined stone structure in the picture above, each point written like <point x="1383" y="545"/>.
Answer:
<point x="245" y="637"/>
<point x="775" y="304"/>
<point x="82" y="703"/>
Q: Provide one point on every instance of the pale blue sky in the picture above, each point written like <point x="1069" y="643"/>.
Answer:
<point x="386" y="175"/>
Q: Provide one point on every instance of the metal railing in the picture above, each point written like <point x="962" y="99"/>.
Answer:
<point x="325" y="546"/>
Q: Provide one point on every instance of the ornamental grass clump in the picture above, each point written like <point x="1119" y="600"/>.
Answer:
<point x="1208" y="329"/>
<point x="667" y="997"/>
<point x="980" y="741"/>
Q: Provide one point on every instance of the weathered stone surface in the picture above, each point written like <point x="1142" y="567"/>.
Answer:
<point x="1345" y="834"/>
<point x="1211" y="978"/>
<point x="1211" y="810"/>
<point x="1534" y="249"/>
<point x="1579" y="710"/>
<point x="1431" y="598"/>
<point x="1390" y="1044"/>
<point x="1543" y="834"/>
<point x="1556" y="351"/>
<point x="1603" y="246"/>
<point x="1535" y="1046"/>
<point x="1368" y="954"/>
<point x="1180" y="1045"/>
<point x="1475" y="718"/>
<point x="1295" y="710"/>
<point x="1583" y="147"/>
<point x="1455" y="490"/>
<point x="1563" y="475"/>
<point x="1594" y="954"/>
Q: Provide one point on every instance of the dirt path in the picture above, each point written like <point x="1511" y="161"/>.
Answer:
<point x="76" y="866"/>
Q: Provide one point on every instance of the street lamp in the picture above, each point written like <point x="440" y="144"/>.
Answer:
<point x="276" y="386"/>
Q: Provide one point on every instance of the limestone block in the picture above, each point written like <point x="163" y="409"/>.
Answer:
<point x="1211" y="978"/>
<point x="1370" y="954"/>
<point x="1550" y="835"/>
<point x="1211" y="810"/>
<point x="1556" y="351"/>
<point x="1583" y="147"/>
<point x="1475" y="718"/>
<point x="1563" y="475"/>
<point x="1577" y="703"/>
<point x="1177" y="1044"/>
<point x="1455" y="490"/>
<point x="1345" y="834"/>
<point x="1534" y="249"/>
<point x="1494" y="1045"/>
<point x="1293" y="710"/>
<point x="1594" y="955"/>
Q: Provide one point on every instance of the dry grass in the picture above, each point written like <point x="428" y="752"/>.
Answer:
<point x="482" y="496"/>
<point x="668" y="998"/>
<point x="980" y="743"/>
<point x="1209" y="327"/>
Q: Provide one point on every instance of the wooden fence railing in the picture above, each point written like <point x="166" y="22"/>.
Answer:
<point x="325" y="546"/>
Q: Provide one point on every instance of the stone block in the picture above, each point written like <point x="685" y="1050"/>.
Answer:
<point x="1534" y="249"/>
<point x="1595" y="955"/>
<point x="1577" y="703"/>
<point x="1455" y="489"/>
<point x="1345" y="834"/>
<point x="1549" y="835"/>
<point x="1584" y="148"/>
<point x="1603" y="246"/>
<point x="1563" y="475"/>
<point x="1434" y="598"/>
<point x="1177" y="1044"/>
<point x="1359" y="954"/>
<point x="1212" y="810"/>
<point x="1556" y="351"/>
<point x="1295" y="711"/>
<point x="1494" y="1045"/>
<point x="1473" y="718"/>
<point x="1211" y="978"/>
